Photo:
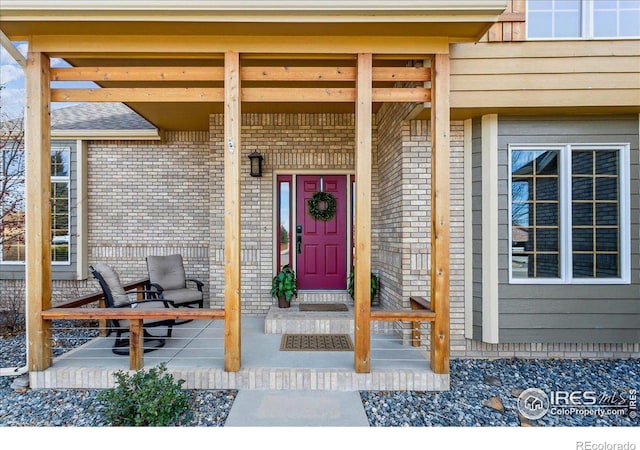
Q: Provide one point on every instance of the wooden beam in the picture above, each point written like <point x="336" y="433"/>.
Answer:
<point x="38" y="215"/>
<point x="78" y="313"/>
<point x="138" y="74"/>
<point x="294" y="73"/>
<point x="232" y="162"/>
<point x="418" y="74"/>
<point x="288" y="73"/>
<point x="362" y="288"/>
<point x="263" y="94"/>
<point x="155" y="95"/>
<point x="440" y="178"/>
<point x="178" y="47"/>
<point x="390" y="315"/>
<point x="136" y="344"/>
<point x="298" y="95"/>
<point x="401" y="95"/>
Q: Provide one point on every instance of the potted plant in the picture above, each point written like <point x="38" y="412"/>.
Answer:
<point x="375" y="285"/>
<point x="284" y="286"/>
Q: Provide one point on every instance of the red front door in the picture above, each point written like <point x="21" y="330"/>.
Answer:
<point x="322" y="251"/>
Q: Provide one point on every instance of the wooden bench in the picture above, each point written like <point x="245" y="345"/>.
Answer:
<point x="420" y="312"/>
<point x="135" y="317"/>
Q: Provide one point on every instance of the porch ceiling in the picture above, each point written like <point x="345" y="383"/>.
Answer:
<point x="119" y="33"/>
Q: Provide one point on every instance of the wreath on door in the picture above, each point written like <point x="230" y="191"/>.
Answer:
<point x="322" y="206"/>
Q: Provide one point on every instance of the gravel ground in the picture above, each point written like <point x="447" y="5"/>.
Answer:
<point x="78" y="407"/>
<point x="475" y="383"/>
<point x="478" y="387"/>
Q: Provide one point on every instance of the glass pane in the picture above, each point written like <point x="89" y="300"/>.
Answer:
<point x="567" y="24"/>
<point x="59" y="222"/>
<point x="582" y="214"/>
<point x="605" y="23"/>
<point x="629" y="23"/>
<point x="285" y="223"/>
<point x="522" y="266"/>
<point x="606" y="188"/>
<point x="583" y="239"/>
<point x="547" y="214"/>
<point x="547" y="266"/>
<point x="12" y="214"/>
<point x="607" y="266"/>
<point x="582" y="163"/>
<point x="539" y="24"/>
<point x="582" y="188"/>
<point x="540" y="5"/>
<point x="606" y="214"/>
<point x="547" y="188"/>
<point x="547" y="239"/>
<point x="606" y="163"/>
<point x="583" y="265"/>
<point x="60" y="163"/>
<point x="607" y="240"/>
<point x="547" y="163"/>
<point x="521" y="190"/>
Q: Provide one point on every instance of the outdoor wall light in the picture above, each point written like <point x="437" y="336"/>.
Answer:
<point x="256" y="164"/>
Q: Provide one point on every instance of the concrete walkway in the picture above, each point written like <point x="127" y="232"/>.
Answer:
<point x="297" y="409"/>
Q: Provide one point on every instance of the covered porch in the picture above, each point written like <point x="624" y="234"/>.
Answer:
<point x="169" y="80"/>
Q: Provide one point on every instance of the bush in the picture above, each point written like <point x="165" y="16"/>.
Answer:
<point x="145" y="399"/>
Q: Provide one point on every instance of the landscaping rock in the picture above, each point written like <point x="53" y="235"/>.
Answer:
<point x="494" y="403"/>
<point x="493" y="381"/>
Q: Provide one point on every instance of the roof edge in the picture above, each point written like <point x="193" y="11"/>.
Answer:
<point x="108" y="135"/>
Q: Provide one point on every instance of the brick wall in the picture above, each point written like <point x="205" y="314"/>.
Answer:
<point x="149" y="198"/>
<point x="287" y="142"/>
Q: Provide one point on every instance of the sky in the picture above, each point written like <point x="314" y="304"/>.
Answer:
<point x="12" y="96"/>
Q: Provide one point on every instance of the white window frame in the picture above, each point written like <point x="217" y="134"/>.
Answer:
<point x="54" y="179"/>
<point x="586" y="27"/>
<point x="565" y="242"/>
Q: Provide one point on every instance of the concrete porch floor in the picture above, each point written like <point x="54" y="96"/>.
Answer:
<point x="195" y="353"/>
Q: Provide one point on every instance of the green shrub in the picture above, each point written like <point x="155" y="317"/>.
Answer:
<point x="145" y="399"/>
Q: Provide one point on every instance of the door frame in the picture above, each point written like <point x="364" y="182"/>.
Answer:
<point x="294" y="193"/>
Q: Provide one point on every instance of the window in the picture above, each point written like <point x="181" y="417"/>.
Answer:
<point x="568" y="213"/>
<point x="284" y="221"/>
<point x="588" y="19"/>
<point x="12" y="206"/>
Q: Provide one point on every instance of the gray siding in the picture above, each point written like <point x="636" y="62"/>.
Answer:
<point x="568" y="313"/>
<point x="476" y="218"/>
<point x="58" y="271"/>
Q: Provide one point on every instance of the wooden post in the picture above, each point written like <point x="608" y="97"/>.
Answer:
<point x="362" y="281"/>
<point x="232" y="150"/>
<point x="440" y="213"/>
<point x="136" y="344"/>
<point x="38" y="215"/>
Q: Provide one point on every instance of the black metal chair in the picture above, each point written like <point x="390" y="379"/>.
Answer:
<point x="116" y="297"/>
<point x="168" y="277"/>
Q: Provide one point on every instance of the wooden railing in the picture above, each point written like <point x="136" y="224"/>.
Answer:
<point x="77" y="310"/>
<point x="136" y="317"/>
<point x="420" y="312"/>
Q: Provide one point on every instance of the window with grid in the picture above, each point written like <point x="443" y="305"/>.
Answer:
<point x="12" y="214"/>
<point x="568" y="216"/>
<point x="583" y="19"/>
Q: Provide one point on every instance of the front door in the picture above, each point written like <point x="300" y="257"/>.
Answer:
<point x="321" y="246"/>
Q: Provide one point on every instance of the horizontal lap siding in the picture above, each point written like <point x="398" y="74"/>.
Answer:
<point x="569" y="313"/>
<point x="545" y="74"/>
<point x="476" y="194"/>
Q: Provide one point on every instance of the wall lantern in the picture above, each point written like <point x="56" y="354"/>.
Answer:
<point x="256" y="164"/>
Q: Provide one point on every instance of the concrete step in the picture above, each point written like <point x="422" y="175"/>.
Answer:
<point x="292" y="320"/>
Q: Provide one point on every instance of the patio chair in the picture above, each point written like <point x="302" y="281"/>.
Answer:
<point x="168" y="277"/>
<point x="116" y="297"/>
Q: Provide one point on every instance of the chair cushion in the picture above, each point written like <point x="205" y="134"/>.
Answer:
<point x="167" y="271"/>
<point x="112" y="279"/>
<point x="146" y="322"/>
<point x="179" y="296"/>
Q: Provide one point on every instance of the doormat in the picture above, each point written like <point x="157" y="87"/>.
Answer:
<point x="324" y="307"/>
<point x="316" y="342"/>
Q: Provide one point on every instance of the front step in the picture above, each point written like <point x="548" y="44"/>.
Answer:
<point x="292" y="320"/>
<point x="324" y="297"/>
